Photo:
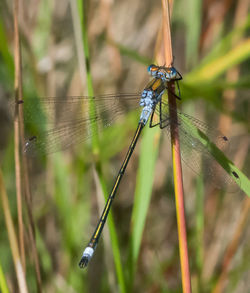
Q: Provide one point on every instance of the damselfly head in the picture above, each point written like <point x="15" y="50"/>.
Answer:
<point x="162" y="72"/>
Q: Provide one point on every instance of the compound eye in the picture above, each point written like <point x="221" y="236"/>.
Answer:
<point x="152" y="68"/>
<point x="173" y="72"/>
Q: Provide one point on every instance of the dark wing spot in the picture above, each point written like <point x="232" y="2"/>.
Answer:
<point x="32" y="138"/>
<point x="235" y="174"/>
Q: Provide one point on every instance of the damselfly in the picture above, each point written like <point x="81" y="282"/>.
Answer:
<point x="70" y="130"/>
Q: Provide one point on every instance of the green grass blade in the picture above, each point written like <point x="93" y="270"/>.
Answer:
<point x="225" y="44"/>
<point x="225" y="55"/>
<point x="144" y="184"/>
<point x="114" y="243"/>
<point x="4" y="51"/>
<point x="199" y="233"/>
<point x="95" y="144"/>
<point x="220" y="65"/>
<point x="3" y="283"/>
<point x="243" y="182"/>
<point x="83" y="21"/>
<point x="134" y="55"/>
<point x="63" y="198"/>
<point x="193" y="25"/>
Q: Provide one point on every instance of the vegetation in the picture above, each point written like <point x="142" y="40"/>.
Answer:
<point x="73" y="48"/>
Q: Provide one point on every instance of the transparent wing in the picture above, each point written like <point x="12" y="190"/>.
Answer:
<point x="64" y="109"/>
<point x="69" y="119"/>
<point x="192" y="149"/>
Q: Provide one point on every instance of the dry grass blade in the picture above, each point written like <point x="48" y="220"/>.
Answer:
<point x="18" y="95"/>
<point x="12" y="238"/>
<point x="19" y="133"/>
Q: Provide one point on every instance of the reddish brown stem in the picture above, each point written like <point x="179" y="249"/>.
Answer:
<point x="177" y="170"/>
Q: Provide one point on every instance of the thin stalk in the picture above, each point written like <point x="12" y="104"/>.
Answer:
<point x="19" y="133"/>
<point x="18" y="93"/>
<point x="12" y="238"/>
<point x="176" y="156"/>
<point x="95" y="143"/>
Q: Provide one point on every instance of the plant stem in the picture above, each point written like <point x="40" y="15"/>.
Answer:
<point x="19" y="134"/>
<point x="18" y="93"/>
<point x="176" y="155"/>
<point x="100" y="184"/>
<point x="12" y="238"/>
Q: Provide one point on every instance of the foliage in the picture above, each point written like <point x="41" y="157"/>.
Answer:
<point x="118" y="41"/>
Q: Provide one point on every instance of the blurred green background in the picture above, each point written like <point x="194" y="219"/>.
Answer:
<point x="211" y="47"/>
